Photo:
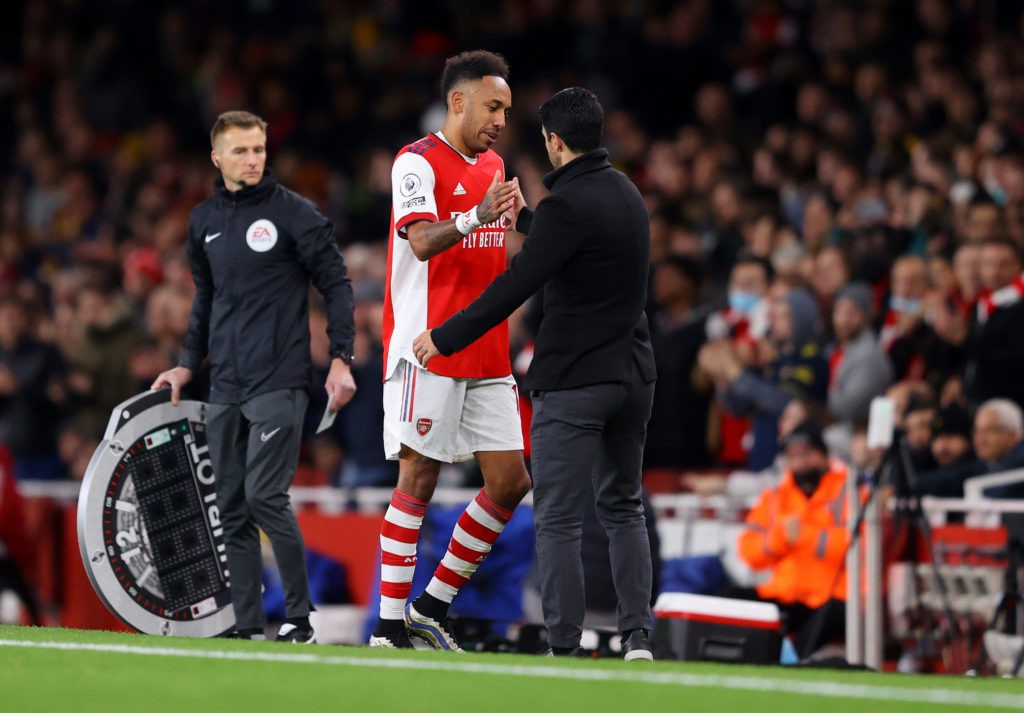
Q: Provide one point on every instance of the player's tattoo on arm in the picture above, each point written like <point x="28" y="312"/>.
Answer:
<point x="428" y="239"/>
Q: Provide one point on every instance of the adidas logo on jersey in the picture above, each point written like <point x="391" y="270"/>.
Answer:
<point x="459" y="190"/>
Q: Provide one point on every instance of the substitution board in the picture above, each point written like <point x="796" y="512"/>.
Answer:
<point x="148" y="525"/>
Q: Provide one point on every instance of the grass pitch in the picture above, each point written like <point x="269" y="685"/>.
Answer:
<point x="50" y="670"/>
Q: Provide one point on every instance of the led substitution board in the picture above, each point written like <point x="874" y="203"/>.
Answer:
<point x="148" y="524"/>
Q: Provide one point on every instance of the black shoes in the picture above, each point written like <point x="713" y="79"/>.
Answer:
<point x="397" y="639"/>
<point x="636" y="646"/>
<point x="250" y="634"/>
<point x="292" y="634"/>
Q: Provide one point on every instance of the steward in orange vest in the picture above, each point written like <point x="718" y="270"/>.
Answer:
<point x="798" y="530"/>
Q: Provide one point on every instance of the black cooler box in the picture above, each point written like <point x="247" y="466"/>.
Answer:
<point x="694" y="627"/>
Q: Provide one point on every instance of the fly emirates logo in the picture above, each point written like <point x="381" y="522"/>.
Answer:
<point x="491" y="235"/>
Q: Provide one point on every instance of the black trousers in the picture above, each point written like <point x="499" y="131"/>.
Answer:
<point x="11" y="577"/>
<point x="254" y="450"/>
<point x="595" y="432"/>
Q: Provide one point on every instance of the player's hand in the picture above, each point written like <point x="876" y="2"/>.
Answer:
<point x="175" y="378"/>
<point x="424" y="349"/>
<point x="510" y="216"/>
<point x="340" y="386"/>
<point x="500" y="197"/>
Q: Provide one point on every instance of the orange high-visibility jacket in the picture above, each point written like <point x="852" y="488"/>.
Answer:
<point x="805" y="570"/>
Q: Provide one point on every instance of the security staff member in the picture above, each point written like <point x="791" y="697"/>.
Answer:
<point x="593" y="372"/>
<point x="253" y="248"/>
<point x="797" y="531"/>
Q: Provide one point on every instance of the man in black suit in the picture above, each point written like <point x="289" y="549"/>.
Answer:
<point x="995" y="347"/>
<point x="592" y="375"/>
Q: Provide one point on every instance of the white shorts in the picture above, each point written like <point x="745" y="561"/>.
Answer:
<point x="449" y="419"/>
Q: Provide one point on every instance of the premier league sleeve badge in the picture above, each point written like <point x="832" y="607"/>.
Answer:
<point x="148" y="525"/>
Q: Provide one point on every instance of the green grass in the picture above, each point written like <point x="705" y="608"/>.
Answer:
<point x="69" y="670"/>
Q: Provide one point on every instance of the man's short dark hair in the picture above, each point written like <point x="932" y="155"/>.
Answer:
<point x="1005" y="242"/>
<point x="470" y="66"/>
<point x="686" y="266"/>
<point x="748" y="258"/>
<point x="576" y="116"/>
<point x="229" y="119"/>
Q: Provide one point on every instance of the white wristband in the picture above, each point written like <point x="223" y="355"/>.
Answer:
<point x="467" y="222"/>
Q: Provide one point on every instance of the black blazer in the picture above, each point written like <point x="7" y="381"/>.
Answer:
<point x="995" y="355"/>
<point x="588" y="246"/>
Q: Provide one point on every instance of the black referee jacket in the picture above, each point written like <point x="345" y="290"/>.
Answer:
<point x="252" y="255"/>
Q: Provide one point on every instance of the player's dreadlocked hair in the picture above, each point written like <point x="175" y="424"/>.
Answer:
<point x="468" y="66"/>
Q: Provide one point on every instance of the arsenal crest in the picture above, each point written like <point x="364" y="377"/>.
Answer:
<point x="423" y="426"/>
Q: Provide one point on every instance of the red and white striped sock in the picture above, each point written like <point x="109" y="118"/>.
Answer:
<point x="473" y="537"/>
<point x="398" y="535"/>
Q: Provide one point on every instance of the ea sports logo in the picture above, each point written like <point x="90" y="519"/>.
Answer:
<point x="261" y="235"/>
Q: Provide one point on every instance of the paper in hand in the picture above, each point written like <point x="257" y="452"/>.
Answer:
<point x="328" y="418"/>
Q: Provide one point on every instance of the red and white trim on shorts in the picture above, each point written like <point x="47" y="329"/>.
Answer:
<point x="408" y="392"/>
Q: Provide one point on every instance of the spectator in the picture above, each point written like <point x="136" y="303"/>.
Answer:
<point x="951" y="442"/>
<point x="677" y="433"/>
<point x="950" y="311"/>
<point x="830" y="272"/>
<point x="996" y="345"/>
<point x="984" y="220"/>
<point x="859" y="369"/>
<point x="142" y="273"/>
<point x="917" y="425"/>
<point x="741" y="325"/>
<point x="796" y="367"/>
<point x="722" y="234"/>
<point x="747" y="315"/>
<point x="967" y="271"/>
<point x="100" y="374"/>
<point x="31" y="395"/>
<point x="906" y="394"/>
<point x="797" y="531"/>
<point x="903" y="330"/>
<point x="999" y="445"/>
<point x="742" y="486"/>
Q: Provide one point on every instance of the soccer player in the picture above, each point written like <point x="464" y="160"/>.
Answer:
<point x="592" y="375"/>
<point x="447" y="242"/>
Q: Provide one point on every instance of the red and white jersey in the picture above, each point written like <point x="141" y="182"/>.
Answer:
<point x="432" y="181"/>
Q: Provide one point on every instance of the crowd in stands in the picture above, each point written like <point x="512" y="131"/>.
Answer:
<point x="836" y="192"/>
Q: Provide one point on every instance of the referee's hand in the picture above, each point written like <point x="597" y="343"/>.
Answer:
<point x="175" y="378"/>
<point x="424" y="349"/>
<point x="340" y="385"/>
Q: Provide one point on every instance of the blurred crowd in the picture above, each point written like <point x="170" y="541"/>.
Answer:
<point x="836" y="192"/>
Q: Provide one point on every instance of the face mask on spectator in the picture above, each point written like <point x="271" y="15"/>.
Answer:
<point x="905" y="305"/>
<point x="742" y="301"/>
<point x="807" y="479"/>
